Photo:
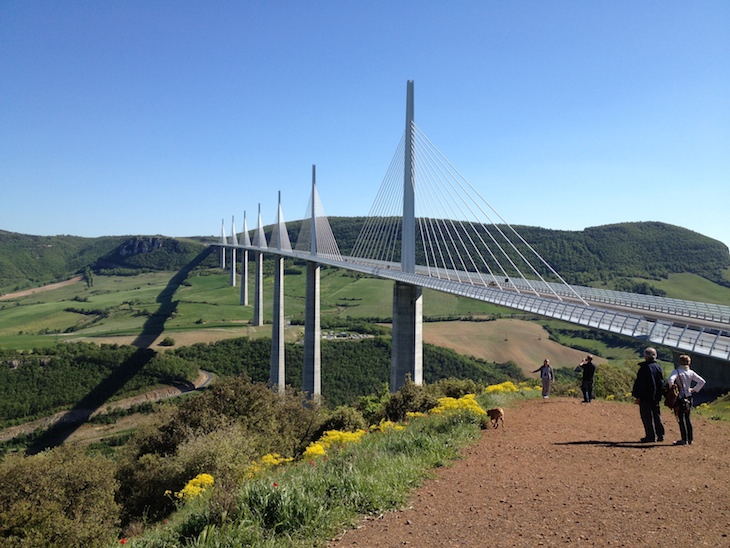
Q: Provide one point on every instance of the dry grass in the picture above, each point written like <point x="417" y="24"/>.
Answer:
<point x="525" y="343"/>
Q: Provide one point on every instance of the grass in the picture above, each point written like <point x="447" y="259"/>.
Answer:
<point x="717" y="410"/>
<point x="204" y="301"/>
<point x="308" y="501"/>
<point x="692" y="287"/>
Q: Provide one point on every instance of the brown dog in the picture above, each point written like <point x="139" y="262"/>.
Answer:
<point x="496" y="415"/>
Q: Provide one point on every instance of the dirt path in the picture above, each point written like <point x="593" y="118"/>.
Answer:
<point x="563" y="472"/>
<point x="33" y="290"/>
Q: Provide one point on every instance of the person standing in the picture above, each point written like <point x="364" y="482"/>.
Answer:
<point x="647" y="392"/>
<point x="683" y="377"/>
<point x="547" y="376"/>
<point x="589" y="374"/>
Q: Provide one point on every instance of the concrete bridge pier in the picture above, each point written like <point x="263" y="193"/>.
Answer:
<point x="258" y="298"/>
<point x="311" y="371"/>
<point x="234" y="242"/>
<point x="244" y="278"/>
<point x="244" y="263"/>
<point x="312" y="364"/>
<point x="407" y="352"/>
<point x="233" y="267"/>
<point x="277" y="371"/>
<point x="224" y="242"/>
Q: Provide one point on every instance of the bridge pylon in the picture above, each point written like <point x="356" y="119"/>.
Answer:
<point x="224" y="242"/>
<point x="279" y="241"/>
<point x="244" y="263"/>
<point x="234" y="243"/>
<point x="311" y="370"/>
<point x="407" y="350"/>
<point x="258" y="298"/>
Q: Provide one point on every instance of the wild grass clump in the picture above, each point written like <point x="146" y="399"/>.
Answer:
<point x="240" y="465"/>
<point x="306" y="501"/>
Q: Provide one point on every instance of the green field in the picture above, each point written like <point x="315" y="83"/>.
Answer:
<point x="133" y="305"/>
<point x="160" y="303"/>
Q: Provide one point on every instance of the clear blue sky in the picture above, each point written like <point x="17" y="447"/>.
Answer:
<point x="164" y="117"/>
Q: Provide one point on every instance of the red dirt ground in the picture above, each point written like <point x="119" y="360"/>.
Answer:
<point x="567" y="473"/>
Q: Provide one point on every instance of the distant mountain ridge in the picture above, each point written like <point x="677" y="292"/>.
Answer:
<point x="649" y="250"/>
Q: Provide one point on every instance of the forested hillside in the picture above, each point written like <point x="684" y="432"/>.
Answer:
<point x="648" y="250"/>
<point x="609" y="254"/>
<point x="32" y="260"/>
<point x="40" y="383"/>
<point x="27" y="261"/>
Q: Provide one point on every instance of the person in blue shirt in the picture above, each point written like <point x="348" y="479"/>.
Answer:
<point x="647" y="392"/>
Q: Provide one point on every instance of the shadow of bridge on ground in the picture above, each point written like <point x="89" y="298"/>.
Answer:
<point x="62" y="429"/>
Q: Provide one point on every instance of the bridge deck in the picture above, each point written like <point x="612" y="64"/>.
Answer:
<point x="699" y="328"/>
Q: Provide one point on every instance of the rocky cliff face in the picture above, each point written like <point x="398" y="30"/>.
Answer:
<point x="140" y="244"/>
<point x="150" y="253"/>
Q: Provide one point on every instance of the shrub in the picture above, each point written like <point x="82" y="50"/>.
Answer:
<point x="342" y="418"/>
<point x="454" y="388"/>
<point x="57" y="498"/>
<point x="410" y="398"/>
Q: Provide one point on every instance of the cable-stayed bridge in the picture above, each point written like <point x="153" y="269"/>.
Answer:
<point x="429" y="228"/>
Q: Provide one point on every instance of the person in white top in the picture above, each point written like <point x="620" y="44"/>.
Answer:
<point x="684" y="378"/>
<point x="547" y="376"/>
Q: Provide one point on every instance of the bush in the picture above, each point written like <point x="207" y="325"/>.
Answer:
<point x="343" y="418"/>
<point x="57" y="498"/>
<point x="454" y="388"/>
<point x="218" y="432"/>
<point x="411" y="398"/>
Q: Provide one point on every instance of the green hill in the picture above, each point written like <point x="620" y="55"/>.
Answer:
<point x="612" y="255"/>
<point x="29" y="261"/>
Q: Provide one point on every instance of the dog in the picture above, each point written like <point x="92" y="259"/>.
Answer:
<point x="496" y="416"/>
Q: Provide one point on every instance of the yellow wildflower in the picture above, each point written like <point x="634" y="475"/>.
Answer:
<point x="330" y="438"/>
<point x="465" y="403"/>
<point x="507" y="386"/>
<point x="195" y="487"/>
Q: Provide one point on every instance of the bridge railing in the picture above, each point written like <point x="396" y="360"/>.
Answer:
<point x="697" y="339"/>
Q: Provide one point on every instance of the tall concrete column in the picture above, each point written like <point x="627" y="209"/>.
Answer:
<point x="244" y="278"/>
<point x="407" y="352"/>
<point x="311" y="372"/>
<point x="258" y="298"/>
<point x="224" y="242"/>
<point x="244" y="263"/>
<point x="233" y="267"/>
<point x="408" y="241"/>
<point x="277" y="373"/>
<point x="234" y="243"/>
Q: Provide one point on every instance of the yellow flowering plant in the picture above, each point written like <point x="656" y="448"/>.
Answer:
<point x="194" y="488"/>
<point x="505" y="387"/>
<point x="268" y="461"/>
<point x="387" y="426"/>
<point x="332" y="438"/>
<point x="465" y="403"/>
